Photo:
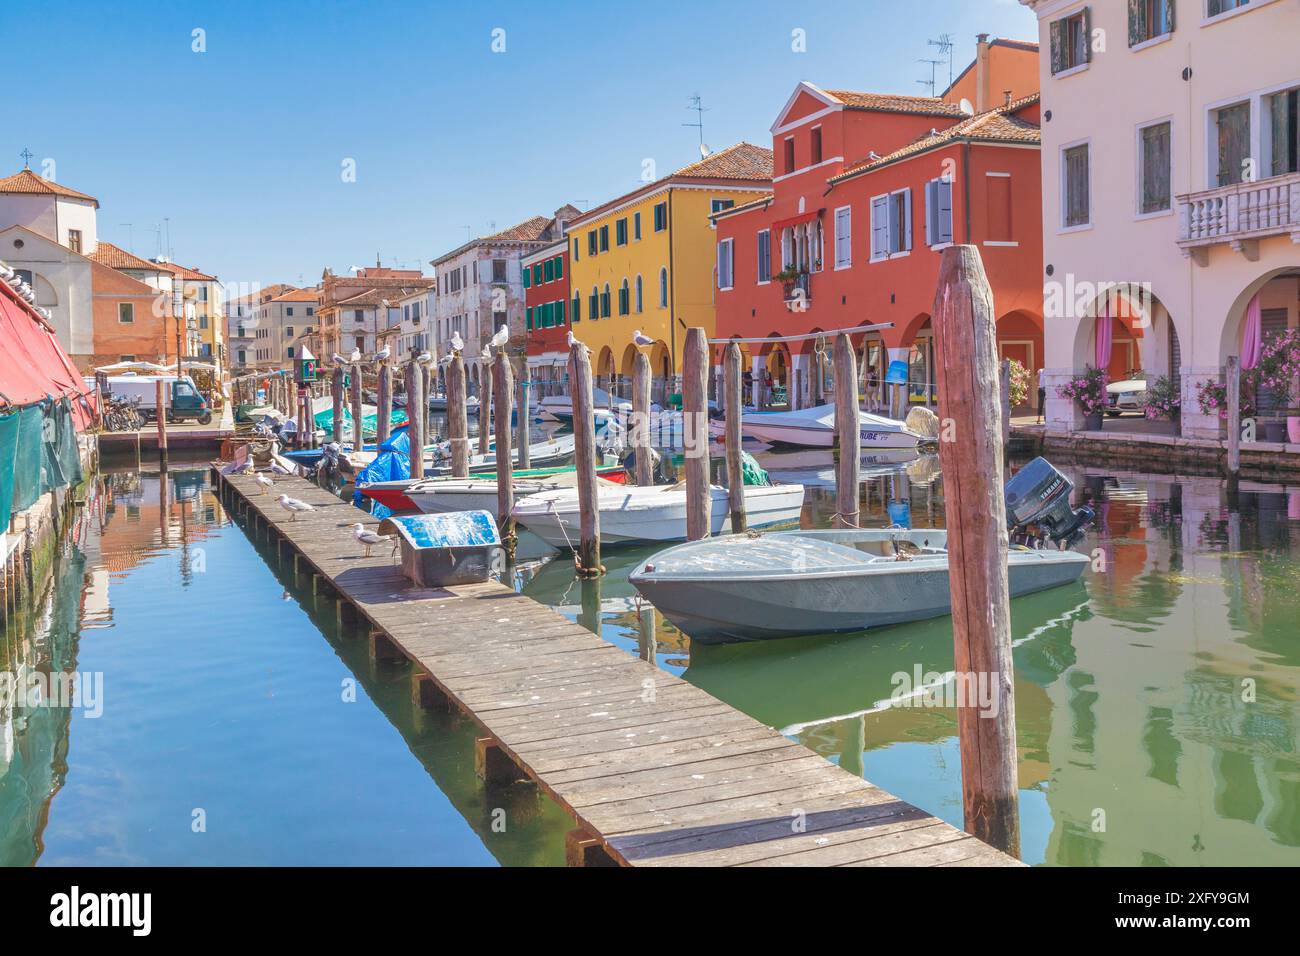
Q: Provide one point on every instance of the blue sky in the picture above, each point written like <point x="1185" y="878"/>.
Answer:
<point x="241" y="148"/>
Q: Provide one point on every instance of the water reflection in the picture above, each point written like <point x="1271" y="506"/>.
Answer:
<point x="1156" y="699"/>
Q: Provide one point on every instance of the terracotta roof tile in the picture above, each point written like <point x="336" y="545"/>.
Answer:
<point x="530" y="230"/>
<point x="762" y="200"/>
<point x="26" y="181"/>
<point x="183" y="272"/>
<point x="298" y="295"/>
<point x="107" y="254"/>
<point x="742" y="161"/>
<point x="893" y="103"/>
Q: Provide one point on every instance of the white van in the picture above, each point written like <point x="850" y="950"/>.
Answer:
<point x="183" y="397"/>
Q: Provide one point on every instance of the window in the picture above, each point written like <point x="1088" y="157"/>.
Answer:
<point x="1154" y="189"/>
<point x="843" y="237"/>
<point x="938" y="212"/>
<point x="310" y="310"/>
<point x="891" y="224"/>
<point x="997" y="190"/>
<point x="559" y="312"/>
<point x="620" y="232"/>
<point x="725" y="264"/>
<point x="764" y="256"/>
<point x="288" y="331"/>
<point x="718" y="205"/>
<point x="289" y="352"/>
<point x="548" y="271"/>
<point x="1075" y="201"/>
<point x="559" y="267"/>
<point x="636" y="225"/>
<point x="1214" y="7"/>
<point x="604" y="238"/>
<point x="358" y="315"/>
<point x="498" y="270"/>
<point x="816" y="145"/>
<point x="789" y="154"/>
<point x="1070" y="41"/>
<point x="661" y="216"/>
<point x="126" y="313"/>
<point x="577" y="308"/>
<point x="663" y="288"/>
<point x="1232" y="131"/>
<point x="576" y="257"/>
<point x="640" y="302"/>
<point x="604" y="302"/>
<point x="1284" y="132"/>
<point x="288" y="310"/>
<point x="74" y="240"/>
<point x="624" y="299"/>
<point x="592" y="239"/>
<point x="537" y="274"/>
<point x="1148" y="19"/>
<point x="528" y="277"/>
<point x="593" y="304"/>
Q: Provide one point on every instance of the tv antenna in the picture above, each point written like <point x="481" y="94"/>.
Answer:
<point x="697" y="104"/>
<point x="930" y="82"/>
<point x="944" y="45"/>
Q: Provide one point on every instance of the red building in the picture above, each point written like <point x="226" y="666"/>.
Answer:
<point x="546" y="297"/>
<point x="869" y="189"/>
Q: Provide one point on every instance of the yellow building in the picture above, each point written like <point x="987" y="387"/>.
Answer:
<point x="645" y="261"/>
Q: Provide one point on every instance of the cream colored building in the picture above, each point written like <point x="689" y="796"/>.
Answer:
<point x="1170" y="144"/>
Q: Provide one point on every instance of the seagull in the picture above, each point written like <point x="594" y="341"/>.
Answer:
<point x="572" y="340"/>
<point x="355" y="357"/>
<point x="486" y="354"/>
<point x="446" y="360"/>
<point x="501" y="338"/>
<point x="339" y="359"/>
<point x="293" y="506"/>
<point x="368" y="538"/>
<point x="383" y="354"/>
<point x="640" y="338"/>
<point x="246" y="468"/>
<point x="424" y="358"/>
<point x="279" y="469"/>
<point x="457" y="343"/>
<point x="265" y="482"/>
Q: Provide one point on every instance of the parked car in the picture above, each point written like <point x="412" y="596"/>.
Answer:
<point x="1129" y="395"/>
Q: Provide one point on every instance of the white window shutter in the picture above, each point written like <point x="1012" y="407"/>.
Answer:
<point x="945" y="210"/>
<point x="930" y="207"/>
<point x="843" y="238"/>
<point x="907" y="219"/>
<point x="879" y="227"/>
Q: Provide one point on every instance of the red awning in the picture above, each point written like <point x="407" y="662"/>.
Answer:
<point x="33" y="365"/>
<point x="796" y="220"/>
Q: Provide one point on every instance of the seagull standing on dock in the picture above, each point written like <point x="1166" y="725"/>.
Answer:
<point x="266" y="483"/>
<point x="368" y="538"/>
<point x="293" y="506"/>
<point x="641" y="339"/>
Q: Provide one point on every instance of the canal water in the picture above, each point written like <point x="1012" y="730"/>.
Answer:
<point x="1156" y="699"/>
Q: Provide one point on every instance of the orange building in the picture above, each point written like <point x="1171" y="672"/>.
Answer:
<point x="131" y="319"/>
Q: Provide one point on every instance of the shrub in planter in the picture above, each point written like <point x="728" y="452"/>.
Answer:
<point x="1089" y="390"/>
<point x="1163" y="399"/>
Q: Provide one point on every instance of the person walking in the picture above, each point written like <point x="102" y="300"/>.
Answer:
<point x="1042" y="395"/>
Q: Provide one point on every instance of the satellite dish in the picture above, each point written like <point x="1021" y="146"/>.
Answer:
<point x="704" y="151"/>
<point x="966" y="107"/>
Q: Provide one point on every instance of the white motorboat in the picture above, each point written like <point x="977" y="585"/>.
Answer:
<point x="650" y="513"/>
<point x="783" y="584"/>
<point x="435" y="495"/>
<point x="815" y="428"/>
<point x="557" y="450"/>
<point x="560" y="407"/>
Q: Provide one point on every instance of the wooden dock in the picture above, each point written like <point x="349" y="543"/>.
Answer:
<point x="653" y="770"/>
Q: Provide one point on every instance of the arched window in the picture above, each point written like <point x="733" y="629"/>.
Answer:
<point x="577" y="306"/>
<point x="624" y="299"/>
<point x="663" y="288"/>
<point x="639" y="300"/>
<point x="604" y="302"/>
<point x="593" y="307"/>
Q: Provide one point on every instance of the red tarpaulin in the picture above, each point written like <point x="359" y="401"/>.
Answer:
<point x="33" y="365"/>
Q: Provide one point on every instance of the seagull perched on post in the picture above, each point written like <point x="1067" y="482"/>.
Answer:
<point x="355" y="357"/>
<point x="293" y="506"/>
<point x="339" y="359"/>
<point x="424" y="358"/>
<point x="640" y="338"/>
<point x="383" y="354"/>
<point x="368" y="538"/>
<point x="265" y="482"/>
<point x="486" y="354"/>
<point x="572" y="341"/>
<point x="501" y="338"/>
<point x="457" y="343"/>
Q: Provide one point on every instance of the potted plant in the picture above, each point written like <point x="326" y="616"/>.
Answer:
<point x="1212" y="397"/>
<point x="1019" y="387"/>
<point x="788" y="277"/>
<point x="1278" y="369"/>
<point x="1163" y="399"/>
<point x="1089" y="390"/>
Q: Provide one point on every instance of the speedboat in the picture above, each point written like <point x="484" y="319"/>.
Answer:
<point x="560" y="407"/>
<point x="437" y="495"/>
<point x="554" y="451"/>
<point x="397" y="495"/>
<point x="650" y="513"/>
<point x="750" y="587"/>
<point x="758" y="586"/>
<point x="815" y="428"/>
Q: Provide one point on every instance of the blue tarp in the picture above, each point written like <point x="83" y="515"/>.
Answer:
<point x="393" y="463"/>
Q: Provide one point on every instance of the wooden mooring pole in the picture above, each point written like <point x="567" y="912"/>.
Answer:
<point x="966" y="346"/>
<point x="502" y="375"/>
<point x="356" y="408"/>
<point x="1234" y="417"/>
<point x="1004" y="399"/>
<point x="733" y="396"/>
<point x="848" y="428"/>
<point x="160" y="414"/>
<point x="457" y="426"/>
<point x="484" y="407"/>
<point x="383" y="419"/>
<point x="695" y="433"/>
<point x="522" y="416"/>
<point x="414" y="404"/>
<point x="641" y="418"/>
<point x="587" y="557"/>
<point x="336" y="394"/>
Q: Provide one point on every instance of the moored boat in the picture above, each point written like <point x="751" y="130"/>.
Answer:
<point x="815" y="428"/>
<point x="394" y="494"/>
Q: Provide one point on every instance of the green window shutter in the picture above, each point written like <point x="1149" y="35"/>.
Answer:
<point x="537" y="274"/>
<point x="559" y="267"/>
<point x="527" y="276"/>
<point x="1058" y="46"/>
<point x="549" y="270"/>
<point x="559" y="312"/>
<point x="1169" y="14"/>
<point x="529" y="318"/>
<point x="577" y="309"/>
<point x="1136" y="28"/>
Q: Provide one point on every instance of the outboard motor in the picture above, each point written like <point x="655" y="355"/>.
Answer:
<point x="1038" y="508"/>
<point x="661" y="470"/>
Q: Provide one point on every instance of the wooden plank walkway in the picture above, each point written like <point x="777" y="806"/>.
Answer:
<point x="653" y="770"/>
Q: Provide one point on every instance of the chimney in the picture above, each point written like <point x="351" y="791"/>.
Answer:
<point x="981" y="72"/>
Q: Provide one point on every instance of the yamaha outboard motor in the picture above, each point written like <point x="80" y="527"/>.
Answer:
<point x="1038" y="507"/>
<point x="661" y="469"/>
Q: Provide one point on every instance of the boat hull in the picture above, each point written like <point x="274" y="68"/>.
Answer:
<point x="778" y="433"/>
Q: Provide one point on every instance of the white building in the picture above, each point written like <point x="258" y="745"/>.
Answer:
<point x="1171" y="167"/>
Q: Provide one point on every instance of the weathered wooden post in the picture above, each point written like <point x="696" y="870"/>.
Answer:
<point x="336" y="394"/>
<point x="160" y="414"/>
<point x="734" y="396"/>
<point x="522" y="416"/>
<point x="384" y="412"/>
<point x="966" y="347"/>
<point x="695" y="433"/>
<point x="415" y="421"/>
<point x="1004" y="393"/>
<point x="587" y="557"/>
<point x="484" y="407"/>
<point x="1234" y="417"/>
<point x="848" y="429"/>
<point x="457" y="427"/>
<point x="356" y="408"/>
<point x="505" y="471"/>
<point x="641" y="417"/>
